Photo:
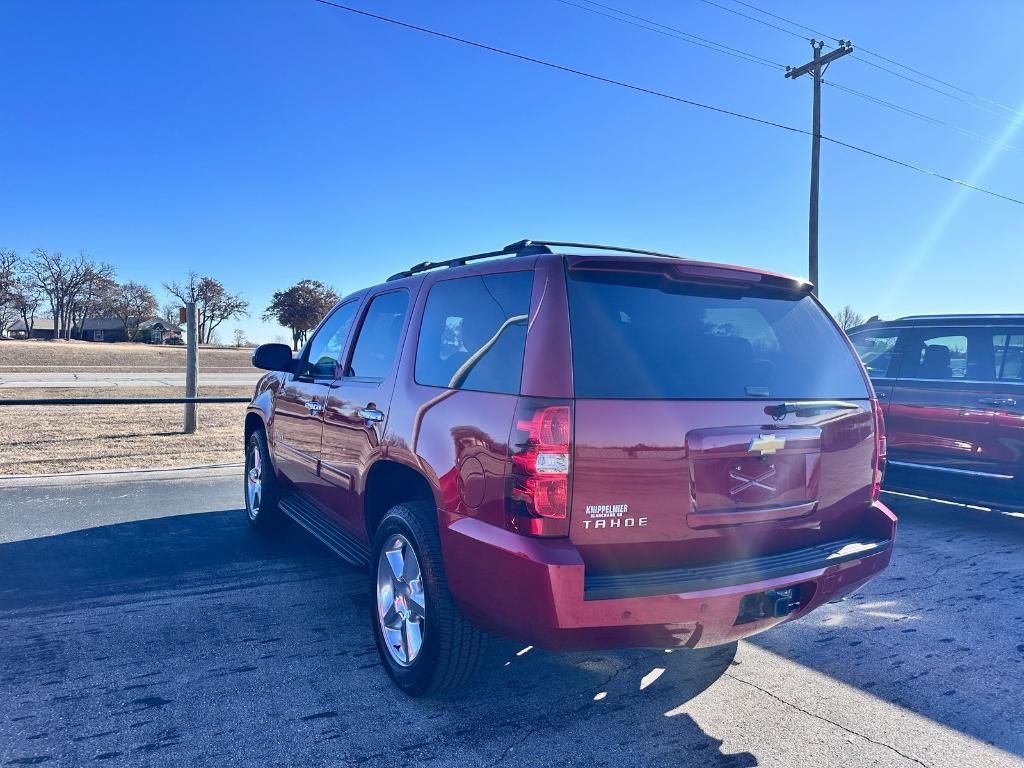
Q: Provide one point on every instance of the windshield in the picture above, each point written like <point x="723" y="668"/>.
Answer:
<point x="644" y="336"/>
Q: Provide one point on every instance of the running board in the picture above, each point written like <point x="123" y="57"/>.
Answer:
<point x="332" y="535"/>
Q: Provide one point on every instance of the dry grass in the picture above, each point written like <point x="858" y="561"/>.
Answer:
<point x="37" y="355"/>
<point x="50" y="439"/>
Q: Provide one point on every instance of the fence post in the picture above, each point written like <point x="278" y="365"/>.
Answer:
<point x="191" y="366"/>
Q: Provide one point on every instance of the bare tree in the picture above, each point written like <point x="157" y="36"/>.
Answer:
<point x="213" y="302"/>
<point x="62" y="279"/>
<point x="8" y="288"/>
<point x="26" y="300"/>
<point x="96" y="298"/>
<point x="133" y="303"/>
<point x="240" y="340"/>
<point x="848" y="318"/>
<point x="169" y="313"/>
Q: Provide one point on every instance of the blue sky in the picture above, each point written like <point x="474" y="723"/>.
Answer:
<point x="266" y="142"/>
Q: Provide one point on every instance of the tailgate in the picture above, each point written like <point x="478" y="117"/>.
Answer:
<point x="664" y="484"/>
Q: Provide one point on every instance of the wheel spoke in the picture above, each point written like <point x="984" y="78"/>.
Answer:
<point x="413" y="635"/>
<point x="395" y="561"/>
<point x="393" y="637"/>
<point x="417" y="600"/>
<point x="411" y="567"/>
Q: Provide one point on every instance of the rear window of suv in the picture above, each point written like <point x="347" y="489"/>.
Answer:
<point x="646" y="336"/>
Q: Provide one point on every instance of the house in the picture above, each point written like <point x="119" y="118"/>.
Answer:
<point x="159" y="331"/>
<point x="101" y="329"/>
<point x="153" y="330"/>
<point x="42" y="328"/>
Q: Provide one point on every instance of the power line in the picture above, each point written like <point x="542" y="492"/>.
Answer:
<point x="650" y="25"/>
<point x="862" y="49"/>
<point x="653" y="92"/>
<point x="921" y="116"/>
<point x="754" y="19"/>
<point x="678" y="34"/>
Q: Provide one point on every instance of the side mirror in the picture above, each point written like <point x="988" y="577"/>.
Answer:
<point x="273" y="357"/>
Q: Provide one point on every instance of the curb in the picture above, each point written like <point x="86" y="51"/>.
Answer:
<point x="123" y="475"/>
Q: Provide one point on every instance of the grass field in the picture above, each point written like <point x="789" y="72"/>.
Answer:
<point x="51" y="439"/>
<point x="37" y="355"/>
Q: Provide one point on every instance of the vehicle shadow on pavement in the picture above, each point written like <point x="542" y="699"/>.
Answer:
<point x="189" y="640"/>
<point x="939" y="633"/>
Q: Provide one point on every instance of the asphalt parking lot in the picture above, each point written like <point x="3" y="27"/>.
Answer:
<point x="142" y="624"/>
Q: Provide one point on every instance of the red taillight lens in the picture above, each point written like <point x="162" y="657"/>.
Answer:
<point x="538" y="499"/>
<point x="880" y="448"/>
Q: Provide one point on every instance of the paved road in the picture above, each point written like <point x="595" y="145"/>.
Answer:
<point x="136" y="379"/>
<point x="142" y="624"/>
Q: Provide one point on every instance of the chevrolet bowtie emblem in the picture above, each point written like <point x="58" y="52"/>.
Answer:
<point x="766" y="444"/>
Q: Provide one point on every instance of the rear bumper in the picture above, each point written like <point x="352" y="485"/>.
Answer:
<point x="537" y="591"/>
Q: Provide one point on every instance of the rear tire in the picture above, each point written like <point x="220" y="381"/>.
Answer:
<point x="261" y="489"/>
<point x="425" y="643"/>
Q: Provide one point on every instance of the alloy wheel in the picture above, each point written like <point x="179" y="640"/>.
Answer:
<point x="254" y="481"/>
<point x="401" y="602"/>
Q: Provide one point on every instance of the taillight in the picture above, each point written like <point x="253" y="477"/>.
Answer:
<point x="880" y="448"/>
<point x="539" y="446"/>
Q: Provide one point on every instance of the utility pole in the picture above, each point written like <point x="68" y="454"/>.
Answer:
<point x="191" y="367"/>
<point x="816" y="68"/>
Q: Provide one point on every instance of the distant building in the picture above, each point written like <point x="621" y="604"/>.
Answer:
<point x="153" y="330"/>
<point x="42" y="328"/>
<point x="156" y="330"/>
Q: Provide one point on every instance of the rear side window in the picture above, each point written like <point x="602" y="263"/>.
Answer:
<point x="379" y="335"/>
<point x="943" y="354"/>
<point x="643" y="336"/>
<point x="473" y="333"/>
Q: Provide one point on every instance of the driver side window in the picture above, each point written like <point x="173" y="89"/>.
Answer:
<point x="327" y="345"/>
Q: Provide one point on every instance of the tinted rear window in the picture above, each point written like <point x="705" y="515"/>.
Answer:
<point x="645" y="336"/>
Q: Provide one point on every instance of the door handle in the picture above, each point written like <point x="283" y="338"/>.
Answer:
<point x="370" y="414"/>
<point x="1008" y="401"/>
<point x="313" y="406"/>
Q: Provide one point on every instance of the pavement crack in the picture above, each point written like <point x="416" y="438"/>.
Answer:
<point x="824" y="719"/>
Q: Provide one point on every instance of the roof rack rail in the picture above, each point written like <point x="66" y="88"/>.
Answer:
<point x="597" y="247"/>
<point x="521" y="248"/>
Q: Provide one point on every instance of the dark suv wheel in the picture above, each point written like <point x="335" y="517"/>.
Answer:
<point x="261" y="492"/>
<point x="425" y="643"/>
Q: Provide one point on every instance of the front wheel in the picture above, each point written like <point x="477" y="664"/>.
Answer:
<point x="261" y="492"/>
<point x="424" y="641"/>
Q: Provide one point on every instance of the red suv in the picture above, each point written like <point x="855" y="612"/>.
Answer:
<point x="576" y="447"/>
<point x="952" y="394"/>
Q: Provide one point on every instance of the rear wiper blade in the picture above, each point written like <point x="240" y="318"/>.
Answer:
<point x="809" y="408"/>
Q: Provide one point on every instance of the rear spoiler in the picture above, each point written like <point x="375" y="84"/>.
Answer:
<point x="688" y="270"/>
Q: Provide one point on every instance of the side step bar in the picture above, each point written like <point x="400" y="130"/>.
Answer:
<point x="333" y="536"/>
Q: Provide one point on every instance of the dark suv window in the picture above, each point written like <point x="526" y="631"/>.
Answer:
<point x="473" y="333"/>
<point x="943" y="353"/>
<point x="1008" y="351"/>
<point x="377" y="344"/>
<point x="876" y="349"/>
<point x="326" y="346"/>
<point x="644" y="336"/>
